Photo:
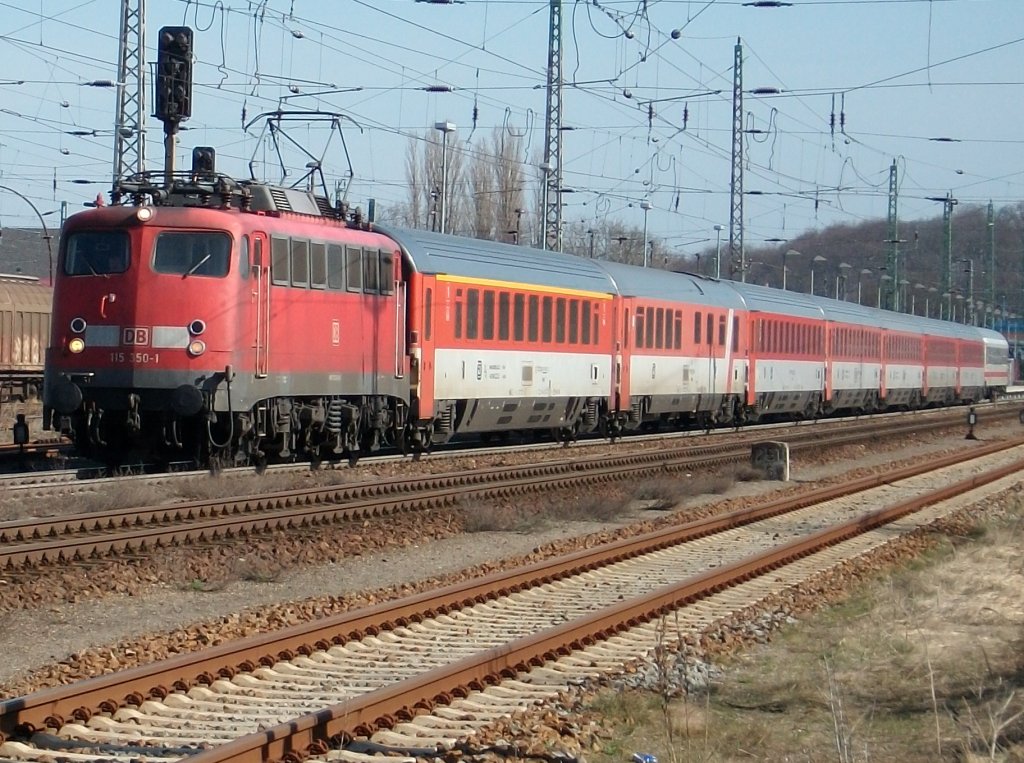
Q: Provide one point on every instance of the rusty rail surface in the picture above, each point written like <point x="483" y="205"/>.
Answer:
<point x="380" y="708"/>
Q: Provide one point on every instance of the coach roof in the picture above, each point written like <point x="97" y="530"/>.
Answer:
<point x="653" y="283"/>
<point x="434" y="253"/>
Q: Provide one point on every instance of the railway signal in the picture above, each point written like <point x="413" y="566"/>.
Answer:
<point x="174" y="75"/>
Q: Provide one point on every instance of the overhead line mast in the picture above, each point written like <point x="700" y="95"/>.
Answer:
<point x="737" y="255"/>
<point x="551" y="203"/>
<point x="130" y="120"/>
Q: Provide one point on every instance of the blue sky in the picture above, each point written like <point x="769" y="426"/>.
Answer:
<point x="899" y="73"/>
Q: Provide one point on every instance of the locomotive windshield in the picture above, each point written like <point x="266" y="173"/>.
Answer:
<point x="192" y="254"/>
<point x="96" y="253"/>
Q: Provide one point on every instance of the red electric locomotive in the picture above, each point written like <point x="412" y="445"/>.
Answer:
<point x="229" y="318"/>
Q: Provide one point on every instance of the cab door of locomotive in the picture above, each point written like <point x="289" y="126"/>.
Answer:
<point x="259" y="311"/>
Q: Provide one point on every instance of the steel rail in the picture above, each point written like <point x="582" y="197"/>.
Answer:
<point x="316" y="733"/>
<point x="52" y="707"/>
<point x="87" y="536"/>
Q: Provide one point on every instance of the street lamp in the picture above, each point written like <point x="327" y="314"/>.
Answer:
<point x="901" y="295"/>
<point x="844" y="269"/>
<point x="882" y="280"/>
<point x="860" y="278"/>
<point x="445" y="128"/>
<point x="718" y="250"/>
<point x="786" y="254"/>
<point x="918" y="287"/>
<point x="817" y="259"/>
<point x="645" y="205"/>
<point x="46" y="233"/>
<point x="927" y="301"/>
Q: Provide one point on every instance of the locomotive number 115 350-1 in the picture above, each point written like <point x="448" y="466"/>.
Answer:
<point x="135" y="357"/>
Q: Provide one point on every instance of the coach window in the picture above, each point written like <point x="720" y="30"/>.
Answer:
<point x="735" y="333"/>
<point x="317" y="264"/>
<point x="711" y="329"/>
<point x="243" y="257"/>
<point x="649" y="329"/>
<point x="503" y="310"/>
<point x="721" y="331"/>
<point x="545" y="321"/>
<point x="472" y="313"/>
<point x="335" y="267"/>
<point x="639" y="328"/>
<point x="371" y="271"/>
<point x="279" y="260"/>
<point x="659" y="328"/>
<point x="574" y="321"/>
<point x="560" y="320"/>
<point x="518" y="319"/>
<point x="595" y="334"/>
<point x="488" y="317"/>
<point x="585" y="323"/>
<point x="300" y="263"/>
<point x="387" y="272"/>
<point x="697" y="320"/>
<point x="428" y="312"/>
<point x="458" y="313"/>
<point x="533" y="323"/>
<point x="354" y="267"/>
<point x="678" y="344"/>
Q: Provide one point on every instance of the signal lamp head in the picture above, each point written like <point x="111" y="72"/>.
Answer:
<point x="76" y="345"/>
<point x="78" y="325"/>
<point x="196" y="347"/>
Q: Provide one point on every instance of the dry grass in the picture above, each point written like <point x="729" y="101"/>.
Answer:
<point x="926" y="666"/>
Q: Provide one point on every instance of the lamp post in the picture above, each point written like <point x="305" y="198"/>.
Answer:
<point x="932" y="290"/>
<point x="718" y="250"/>
<point x="860" y="279"/>
<point x="882" y="282"/>
<point x="817" y="259"/>
<point x="918" y="287"/>
<point x="46" y="233"/>
<point x="645" y="205"/>
<point x="901" y="294"/>
<point x="786" y="254"/>
<point x="844" y="269"/>
<point x="445" y="128"/>
<point x="969" y="270"/>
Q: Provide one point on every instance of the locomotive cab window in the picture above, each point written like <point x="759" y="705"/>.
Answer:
<point x="95" y="254"/>
<point x="354" y="267"/>
<point x="371" y="271"/>
<point x="192" y="254"/>
<point x="387" y="272"/>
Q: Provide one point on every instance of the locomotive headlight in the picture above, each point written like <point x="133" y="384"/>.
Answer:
<point x="76" y="345"/>
<point x="197" y="327"/>
<point x="144" y="214"/>
<point x="196" y="347"/>
<point x="78" y="325"/>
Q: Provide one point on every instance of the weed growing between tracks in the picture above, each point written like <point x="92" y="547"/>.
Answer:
<point x="925" y="665"/>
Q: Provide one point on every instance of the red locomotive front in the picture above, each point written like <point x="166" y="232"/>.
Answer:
<point x="148" y="308"/>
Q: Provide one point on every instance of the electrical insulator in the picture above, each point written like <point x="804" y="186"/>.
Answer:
<point x="174" y="74"/>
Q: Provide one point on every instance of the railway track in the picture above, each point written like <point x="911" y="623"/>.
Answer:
<point x="428" y="672"/>
<point x="30" y="544"/>
<point x="94" y="478"/>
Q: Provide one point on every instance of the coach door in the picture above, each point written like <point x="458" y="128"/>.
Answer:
<point x="261" y="304"/>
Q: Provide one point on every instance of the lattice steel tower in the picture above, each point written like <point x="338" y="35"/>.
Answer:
<point x="737" y="255"/>
<point x="551" y="203"/>
<point x="130" y="122"/>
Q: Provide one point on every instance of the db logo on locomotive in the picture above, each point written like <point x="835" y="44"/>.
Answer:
<point x="135" y="336"/>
